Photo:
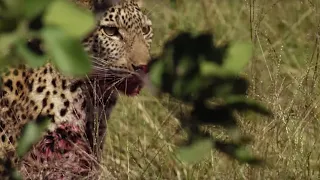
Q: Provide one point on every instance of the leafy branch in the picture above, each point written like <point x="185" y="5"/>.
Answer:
<point x="194" y="71"/>
<point x="57" y="25"/>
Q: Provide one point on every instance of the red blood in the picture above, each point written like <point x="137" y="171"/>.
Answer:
<point x="144" y="68"/>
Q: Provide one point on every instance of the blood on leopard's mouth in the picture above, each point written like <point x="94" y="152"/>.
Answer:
<point x="133" y="85"/>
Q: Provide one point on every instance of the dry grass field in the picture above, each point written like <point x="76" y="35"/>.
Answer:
<point x="284" y="75"/>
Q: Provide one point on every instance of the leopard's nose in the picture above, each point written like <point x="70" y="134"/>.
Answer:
<point x="143" y="68"/>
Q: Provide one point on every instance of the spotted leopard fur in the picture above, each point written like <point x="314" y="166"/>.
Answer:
<point x="78" y="108"/>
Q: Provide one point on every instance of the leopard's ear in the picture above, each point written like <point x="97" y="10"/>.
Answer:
<point x="100" y="6"/>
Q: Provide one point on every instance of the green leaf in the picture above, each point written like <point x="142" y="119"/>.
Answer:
<point x="15" y="175"/>
<point x="7" y="40"/>
<point x="31" y="134"/>
<point x="196" y="151"/>
<point x="173" y="3"/>
<point x="32" y="59"/>
<point x="33" y="8"/>
<point x="156" y="73"/>
<point x="244" y="155"/>
<point x="11" y="8"/>
<point x="208" y="68"/>
<point x="242" y="103"/>
<point x="237" y="151"/>
<point x="7" y="25"/>
<point x="67" y="52"/>
<point x="238" y="55"/>
<point x="75" y="21"/>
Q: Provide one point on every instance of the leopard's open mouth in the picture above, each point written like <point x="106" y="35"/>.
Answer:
<point x="132" y="85"/>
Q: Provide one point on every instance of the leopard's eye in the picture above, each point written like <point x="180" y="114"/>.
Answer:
<point x="110" y="31"/>
<point x="146" y="29"/>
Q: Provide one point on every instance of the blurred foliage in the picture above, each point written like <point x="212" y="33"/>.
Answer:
<point x="31" y="133"/>
<point x="34" y="32"/>
<point x="194" y="71"/>
<point x="57" y="27"/>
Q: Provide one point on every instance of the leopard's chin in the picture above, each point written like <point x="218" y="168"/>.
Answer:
<point x="134" y="92"/>
<point x="132" y="86"/>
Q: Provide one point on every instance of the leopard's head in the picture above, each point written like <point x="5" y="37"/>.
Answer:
<point x="119" y="46"/>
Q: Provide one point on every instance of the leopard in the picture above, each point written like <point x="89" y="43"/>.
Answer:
<point x="78" y="107"/>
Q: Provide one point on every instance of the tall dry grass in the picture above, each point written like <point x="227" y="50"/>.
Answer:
<point x="283" y="73"/>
